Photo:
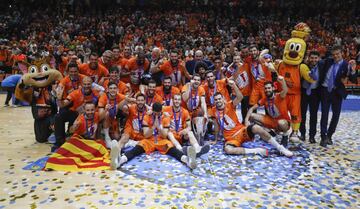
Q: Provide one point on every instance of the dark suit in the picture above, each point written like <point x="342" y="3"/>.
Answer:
<point x="333" y="98"/>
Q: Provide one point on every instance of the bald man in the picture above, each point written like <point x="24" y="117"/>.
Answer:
<point x="199" y="56"/>
<point x="72" y="106"/>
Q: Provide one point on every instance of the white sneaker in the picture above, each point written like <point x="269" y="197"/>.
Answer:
<point x="114" y="155"/>
<point x="285" y="151"/>
<point x="294" y="137"/>
<point x="131" y="143"/>
<point x="264" y="152"/>
<point x="191" y="154"/>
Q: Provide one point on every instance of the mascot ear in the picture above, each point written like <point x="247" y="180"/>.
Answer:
<point x="51" y="61"/>
<point x="23" y="66"/>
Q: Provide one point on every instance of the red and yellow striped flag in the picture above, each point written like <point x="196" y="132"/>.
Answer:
<point x="78" y="154"/>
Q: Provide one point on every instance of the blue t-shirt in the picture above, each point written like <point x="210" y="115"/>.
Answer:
<point x="11" y="81"/>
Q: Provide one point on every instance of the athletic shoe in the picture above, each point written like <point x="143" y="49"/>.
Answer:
<point x="294" y="137"/>
<point x="204" y="149"/>
<point x="191" y="154"/>
<point x="264" y="153"/>
<point x="285" y="151"/>
<point x="6" y="105"/>
<point x="114" y="155"/>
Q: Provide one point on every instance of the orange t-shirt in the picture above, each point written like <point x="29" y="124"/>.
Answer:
<point x="69" y="85"/>
<point x="133" y="66"/>
<point x="167" y="97"/>
<point x="219" y="86"/>
<point x="135" y="118"/>
<point x="292" y="77"/>
<point x="104" y="100"/>
<point x="176" y="73"/>
<point x="87" y="128"/>
<point x="259" y="75"/>
<point x="78" y="99"/>
<point x="227" y="120"/>
<point x="276" y="107"/>
<point x="149" y="122"/>
<point x="182" y="117"/>
<point x="44" y="98"/>
<point x="242" y="79"/>
<point x="194" y="100"/>
<point x="123" y="89"/>
<point x="96" y="75"/>
<point x="150" y="101"/>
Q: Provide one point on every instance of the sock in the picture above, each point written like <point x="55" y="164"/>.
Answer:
<point x="273" y="142"/>
<point x="107" y="138"/>
<point x="184" y="159"/>
<point x="123" y="159"/>
<point x="197" y="148"/>
<point x="254" y="151"/>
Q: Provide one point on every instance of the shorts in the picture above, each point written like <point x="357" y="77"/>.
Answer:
<point x="240" y="136"/>
<point x="134" y="135"/>
<point x="270" y="122"/>
<point x="162" y="145"/>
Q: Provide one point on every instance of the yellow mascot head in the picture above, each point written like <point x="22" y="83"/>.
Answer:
<point x="295" y="47"/>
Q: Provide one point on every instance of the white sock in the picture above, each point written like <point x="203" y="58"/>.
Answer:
<point x="123" y="159"/>
<point x="273" y="142"/>
<point x="254" y="151"/>
<point x="184" y="159"/>
<point x="106" y="133"/>
<point x="197" y="148"/>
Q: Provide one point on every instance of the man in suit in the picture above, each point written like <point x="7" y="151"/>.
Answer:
<point x="310" y="97"/>
<point x="332" y="74"/>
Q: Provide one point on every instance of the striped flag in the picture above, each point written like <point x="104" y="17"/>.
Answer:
<point x="79" y="154"/>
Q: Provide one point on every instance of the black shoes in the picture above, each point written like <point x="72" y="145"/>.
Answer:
<point x="324" y="141"/>
<point x="312" y="141"/>
<point x="330" y="142"/>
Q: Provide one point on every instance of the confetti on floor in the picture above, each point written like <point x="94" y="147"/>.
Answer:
<point x="315" y="178"/>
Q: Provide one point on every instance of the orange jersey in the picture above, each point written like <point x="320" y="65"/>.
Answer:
<point x="70" y="85"/>
<point x="123" y="89"/>
<point x="78" y="98"/>
<point x="195" y="96"/>
<point x="135" y="118"/>
<point x="149" y="122"/>
<point x="242" y="79"/>
<point x="175" y="72"/>
<point x="167" y="97"/>
<point x="87" y="127"/>
<point x="178" y="120"/>
<point x="259" y="74"/>
<point x="276" y="107"/>
<point x="44" y="98"/>
<point x="96" y="75"/>
<point x="104" y="100"/>
<point x="151" y="100"/>
<point x="292" y="77"/>
<point x="227" y="120"/>
<point x="219" y="86"/>
<point x="132" y="66"/>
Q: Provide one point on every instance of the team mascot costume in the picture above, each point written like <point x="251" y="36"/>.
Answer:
<point x="292" y="69"/>
<point x="36" y="88"/>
